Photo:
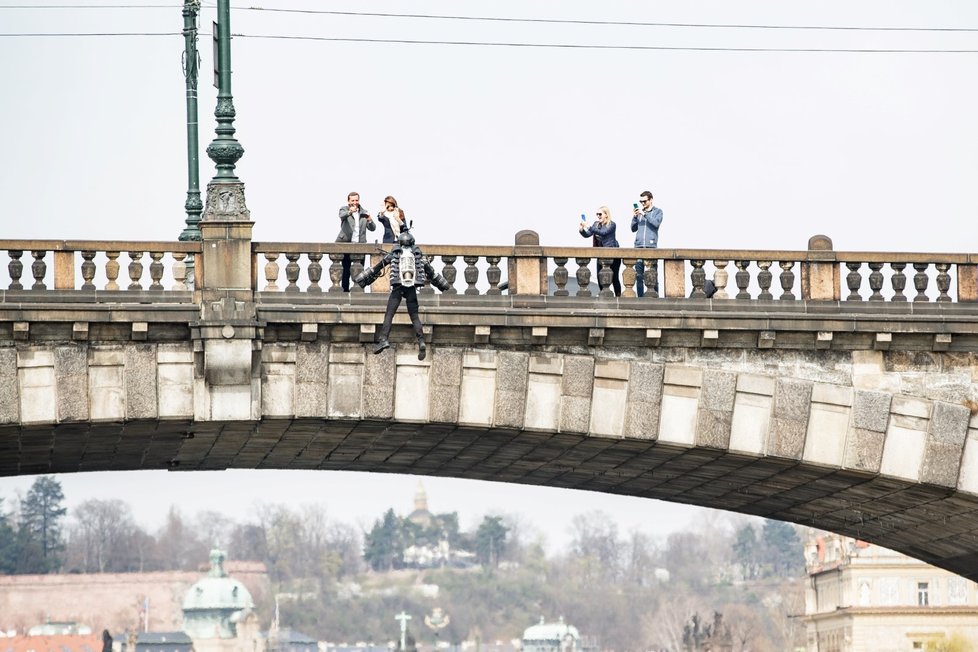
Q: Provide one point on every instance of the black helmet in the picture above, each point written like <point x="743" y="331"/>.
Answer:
<point x="405" y="239"/>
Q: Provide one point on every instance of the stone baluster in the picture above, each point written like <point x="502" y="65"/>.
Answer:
<point x="698" y="278"/>
<point x="943" y="281"/>
<point x="315" y="272"/>
<point x="764" y="280"/>
<point x="787" y="280"/>
<point x="179" y="271"/>
<point x="156" y="271"/>
<point x="853" y="280"/>
<point x="88" y="270"/>
<point x="15" y="269"/>
<point x="271" y="272"/>
<point x="628" y="277"/>
<point x="471" y="274"/>
<point x="112" y="271"/>
<point x="876" y="281"/>
<point x="292" y="272"/>
<point x="920" y="281"/>
<point x="651" y="277"/>
<point x="39" y="270"/>
<point x="135" y="270"/>
<point x="336" y="273"/>
<point x="560" y="277"/>
<point x="583" y="276"/>
<point x="356" y="268"/>
<point x="898" y="281"/>
<point x="604" y="278"/>
<point x="450" y="273"/>
<point x="742" y="279"/>
<point x="720" y="279"/>
<point x="493" y="274"/>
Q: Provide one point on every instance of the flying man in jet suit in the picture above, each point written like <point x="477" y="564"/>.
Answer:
<point x="409" y="269"/>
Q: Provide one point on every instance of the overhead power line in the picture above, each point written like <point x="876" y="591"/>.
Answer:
<point x="565" y="46"/>
<point x="627" y="23"/>
<point x="508" y="19"/>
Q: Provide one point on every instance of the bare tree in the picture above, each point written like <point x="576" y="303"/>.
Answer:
<point x="101" y="534"/>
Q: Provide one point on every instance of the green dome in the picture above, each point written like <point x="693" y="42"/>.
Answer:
<point x="216" y="603"/>
<point x="218" y="593"/>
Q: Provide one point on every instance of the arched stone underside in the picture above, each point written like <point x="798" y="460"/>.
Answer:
<point x="880" y="445"/>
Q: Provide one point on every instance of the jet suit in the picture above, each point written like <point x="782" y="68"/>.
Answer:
<point x="409" y="269"/>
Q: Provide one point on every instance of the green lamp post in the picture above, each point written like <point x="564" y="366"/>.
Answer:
<point x="191" y="64"/>
<point x="224" y="150"/>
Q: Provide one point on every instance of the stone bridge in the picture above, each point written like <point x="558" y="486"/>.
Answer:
<point x="820" y="390"/>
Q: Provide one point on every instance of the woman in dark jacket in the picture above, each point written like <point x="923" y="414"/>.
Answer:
<point x="603" y="232"/>
<point x="392" y="218"/>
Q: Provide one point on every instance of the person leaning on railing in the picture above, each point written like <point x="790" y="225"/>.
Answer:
<point x="392" y="219"/>
<point x="354" y="222"/>
<point x="645" y="226"/>
<point x="603" y="234"/>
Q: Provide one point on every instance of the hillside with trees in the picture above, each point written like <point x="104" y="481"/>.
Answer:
<point x="630" y="591"/>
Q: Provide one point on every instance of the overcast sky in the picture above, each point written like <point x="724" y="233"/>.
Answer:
<point x="758" y="150"/>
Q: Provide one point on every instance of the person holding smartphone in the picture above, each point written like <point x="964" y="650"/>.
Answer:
<point x="645" y="226"/>
<point x="603" y="234"/>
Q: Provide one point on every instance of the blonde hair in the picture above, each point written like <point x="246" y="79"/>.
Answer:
<point x="606" y="211"/>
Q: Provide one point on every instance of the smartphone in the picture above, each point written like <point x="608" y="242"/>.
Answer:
<point x="635" y="206"/>
<point x="583" y="217"/>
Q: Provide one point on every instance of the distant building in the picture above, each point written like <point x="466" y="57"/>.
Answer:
<point x="433" y="555"/>
<point x="163" y="642"/>
<point x="52" y="643"/>
<point x="555" y="637"/>
<point x="218" y="613"/>
<point x="289" y="640"/>
<point x="864" y="597"/>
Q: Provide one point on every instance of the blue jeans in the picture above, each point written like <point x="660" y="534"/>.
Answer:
<point x="640" y="277"/>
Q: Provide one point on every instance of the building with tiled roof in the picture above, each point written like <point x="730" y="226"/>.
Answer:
<point x="52" y="643"/>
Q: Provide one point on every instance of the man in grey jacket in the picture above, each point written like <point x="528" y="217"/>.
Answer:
<point x="645" y="225"/>
<point x="353" y="219"/>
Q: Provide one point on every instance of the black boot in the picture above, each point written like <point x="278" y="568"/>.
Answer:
<point x="422" y="351"/>
<point x="381" y="345"/>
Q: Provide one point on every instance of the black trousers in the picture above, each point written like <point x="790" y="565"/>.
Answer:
<point x="345" y="280"/>
<point x="399" y="292"/>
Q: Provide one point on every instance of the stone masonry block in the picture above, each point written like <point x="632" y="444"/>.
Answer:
<point x="511" y="379"/>
<point x="949" y="424"/>
<point x="71" y="375"/>
<point x="575" y="414"/>
<point x="446" y="385"/>
<point x="311" y="379"/>
<point x="713" y="427"/>
<point x="718" y="390"/>
<point x="792" y="399"/>
<point x="871" y="410"/>
<point x="864" y="450"/>
<point x="942" y="462"/>
<point x="378" y="386"/>
<point x="9" y="396"/>
<point x="141" y="381"/>
<point x="644" y="404"/>
<point x="578" y="378"/>
<point x="911" y="407"/>
<point x="787" y="438"/>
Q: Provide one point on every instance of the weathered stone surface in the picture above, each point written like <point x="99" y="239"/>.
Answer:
<point x="792" y="399"/>
<point x="311" y="379"/>
<point x="578" y="376"/>
<point x="713" y="427"/>
<point x="378" y="386"/>
<point x="278" y="386"/>
<point x="949" y="424"/>
<point x="864" y="450"/>
<point x="511" y="379"/>
<point x="786" y="438"/>
<point x="941" y="463"/>
<point x="9" y="395"/>
<point x="345" y="382"/>
<point x="446" y="383"/>
<point x="644" y="406"/>
<point x="71" y="373"/>
<point x="479" y="380"/>
<point x="141" y="381"/>
<point x="870" y="410"/>
<point x="718" y="390"/>
<point x="411" y="385"/>
<point x="38" y="396"/>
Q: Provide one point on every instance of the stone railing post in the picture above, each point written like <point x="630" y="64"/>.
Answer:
<point x="820" y="275"/>
<point x="674" y="279"/>
<point x="527" y="266"/>
<point x="64" y="270"/>
<point x="227" y="339"/>
<point x="967" y="283"/>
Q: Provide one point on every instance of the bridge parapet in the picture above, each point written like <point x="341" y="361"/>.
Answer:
<point x="472" y="270"/>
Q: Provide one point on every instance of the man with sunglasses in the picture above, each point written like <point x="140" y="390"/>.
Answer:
<point x="645" y="225"/>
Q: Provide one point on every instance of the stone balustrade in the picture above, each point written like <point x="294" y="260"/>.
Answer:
<point x="815" y="274"/>
<point x="96" y="266"/>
